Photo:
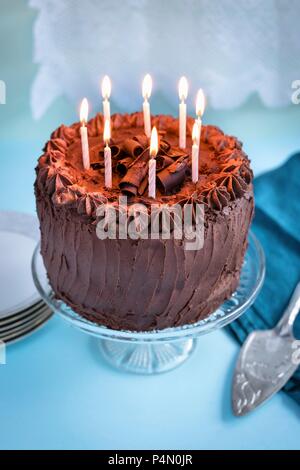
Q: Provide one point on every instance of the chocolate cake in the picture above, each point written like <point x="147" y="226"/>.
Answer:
<point x="142" y="284"/>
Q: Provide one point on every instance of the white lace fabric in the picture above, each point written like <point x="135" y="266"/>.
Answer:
<point x="231" y="49"/>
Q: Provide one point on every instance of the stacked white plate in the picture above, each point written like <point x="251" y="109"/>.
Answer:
<point x="22" y="311"/>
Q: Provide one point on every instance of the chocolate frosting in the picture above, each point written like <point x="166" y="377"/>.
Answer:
<point x="142" y="284"/>
<point x="234" y="184"/>
<point x="216" y="197"/>
<point x="222" y="162"/>
<point x="88" y="204"/>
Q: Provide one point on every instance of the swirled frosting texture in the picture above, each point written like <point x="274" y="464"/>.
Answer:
<point x="142" y="284"/>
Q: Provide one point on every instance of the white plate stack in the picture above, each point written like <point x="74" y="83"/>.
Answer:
<point x="22" y="311"/>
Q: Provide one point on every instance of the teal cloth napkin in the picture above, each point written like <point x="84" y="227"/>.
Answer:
<point x="277" y="225"/>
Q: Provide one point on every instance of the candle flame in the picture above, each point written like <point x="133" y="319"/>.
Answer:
<point x="195" y="132"/>
<point x="154" y="143"/>
<point x="147" y="87"/>
<point x="84" y="111"/>
<point x="200" y="103"/>
<point x="106" y="87"/>
<point x="183" y="88"/>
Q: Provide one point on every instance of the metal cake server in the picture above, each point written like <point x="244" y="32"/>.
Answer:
<point x="266" y="361"/>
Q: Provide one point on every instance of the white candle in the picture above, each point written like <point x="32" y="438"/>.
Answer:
<point x="107" y="163"/>
<point x="200" y="107"/>
<point x="84" y="109"/>
<point x="152" y="178"/>
<point x="107" y="155"/>
<point x="198" y="121"/>
<point x="106" y="91"/>
<point x="195" y="153"/>
<point x="183" y="92"/>
<point x="152" y="163"/>
<point x="146" y="90"/>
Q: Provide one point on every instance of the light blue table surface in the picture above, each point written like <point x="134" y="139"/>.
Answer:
<point x="55" y="391"/>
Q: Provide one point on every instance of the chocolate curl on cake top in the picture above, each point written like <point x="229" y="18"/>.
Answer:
<point x="171" y="174"/>
<point x="116" y="154"/>
<point x="134" y="166"/>
<point x="136" y="173"/>
<point x="162" y="161"/>
<point x="123" y="165"/>
<point x="164" y="146"/>
<point x="133" y="147"/>
<point x="127" y="152"/>
<point x="171" y="177"/>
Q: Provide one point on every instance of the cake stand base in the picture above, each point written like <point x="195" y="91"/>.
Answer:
<point x="146" y="358"/>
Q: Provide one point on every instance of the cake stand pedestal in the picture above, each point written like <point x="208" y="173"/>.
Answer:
<point x="146" y="358"/>
<point x="162" y="350"/>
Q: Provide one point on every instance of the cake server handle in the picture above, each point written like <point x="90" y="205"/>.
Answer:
<point x="286" y="323"/>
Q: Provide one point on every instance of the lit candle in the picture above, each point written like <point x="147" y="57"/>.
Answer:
<point x="183" y="92"/>
<point x="146" y="90"/>
<point x="106" y="91"/>
<point x="152" y="163"/>
<point x="84" y="110"/>
<point x="200" y="107"/>
<point x="107" y="155"/>
<point x="195" y="153"/>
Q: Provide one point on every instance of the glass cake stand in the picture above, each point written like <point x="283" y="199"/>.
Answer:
<point x="161" y="350"/>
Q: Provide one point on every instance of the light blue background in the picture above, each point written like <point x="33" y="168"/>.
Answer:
<point x="55" y="391"/>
